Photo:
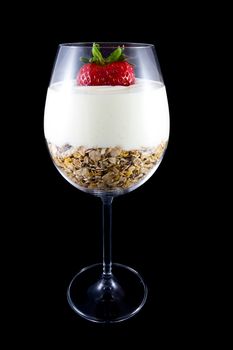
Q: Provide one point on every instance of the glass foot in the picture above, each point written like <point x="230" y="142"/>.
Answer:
<point x="107" y="299"/>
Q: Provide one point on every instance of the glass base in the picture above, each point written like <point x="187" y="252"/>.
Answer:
<point x="108" y="299"/>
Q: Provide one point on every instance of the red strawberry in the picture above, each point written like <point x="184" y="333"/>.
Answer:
<point x="117" y="73"/>
<point x="113" y="70"/>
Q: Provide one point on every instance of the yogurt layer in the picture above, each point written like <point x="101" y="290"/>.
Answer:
<point x="130" y="117"/>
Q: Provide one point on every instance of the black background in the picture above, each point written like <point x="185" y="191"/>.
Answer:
<point x="156" y="229"/>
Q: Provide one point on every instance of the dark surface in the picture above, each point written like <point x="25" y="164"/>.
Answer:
<point x="155" y="228"/>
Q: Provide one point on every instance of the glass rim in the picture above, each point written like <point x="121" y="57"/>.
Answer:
<point x="107" y="44"/>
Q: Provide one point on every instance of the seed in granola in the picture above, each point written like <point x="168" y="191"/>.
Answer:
<point x="136" y="161"/>
<point x="68" y="163"/>
<point x="81" y="150"/>
<point x="77" y="163"/>
<point x="95" y="155"/>
<point x="86" y="160"/>
<point x="114" y="152"/>
<point x="76" y="155"/>
<point x="108" y="178"/>
<point x="112" y="160"/>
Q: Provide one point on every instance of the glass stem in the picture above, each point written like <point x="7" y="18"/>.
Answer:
<point x="107" y="235"/>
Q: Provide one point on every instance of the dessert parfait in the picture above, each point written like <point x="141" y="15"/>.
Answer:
<point x="106" y="130"/>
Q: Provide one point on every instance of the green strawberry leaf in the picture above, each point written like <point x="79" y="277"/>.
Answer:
<point x="122" y="57"/>
<point x="84" y="59"/>
<point x="114" y="56"/>
<point x="97" y="55"/>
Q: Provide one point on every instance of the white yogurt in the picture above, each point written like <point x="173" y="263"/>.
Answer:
<point x="107" y="116"/>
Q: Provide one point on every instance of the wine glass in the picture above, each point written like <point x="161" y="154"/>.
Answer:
<point x="106" y="125"/>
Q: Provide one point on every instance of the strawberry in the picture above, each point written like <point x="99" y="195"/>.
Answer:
<point x="113" y="70"/>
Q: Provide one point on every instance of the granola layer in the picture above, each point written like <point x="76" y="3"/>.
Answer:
<point x="106" y="168"/>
